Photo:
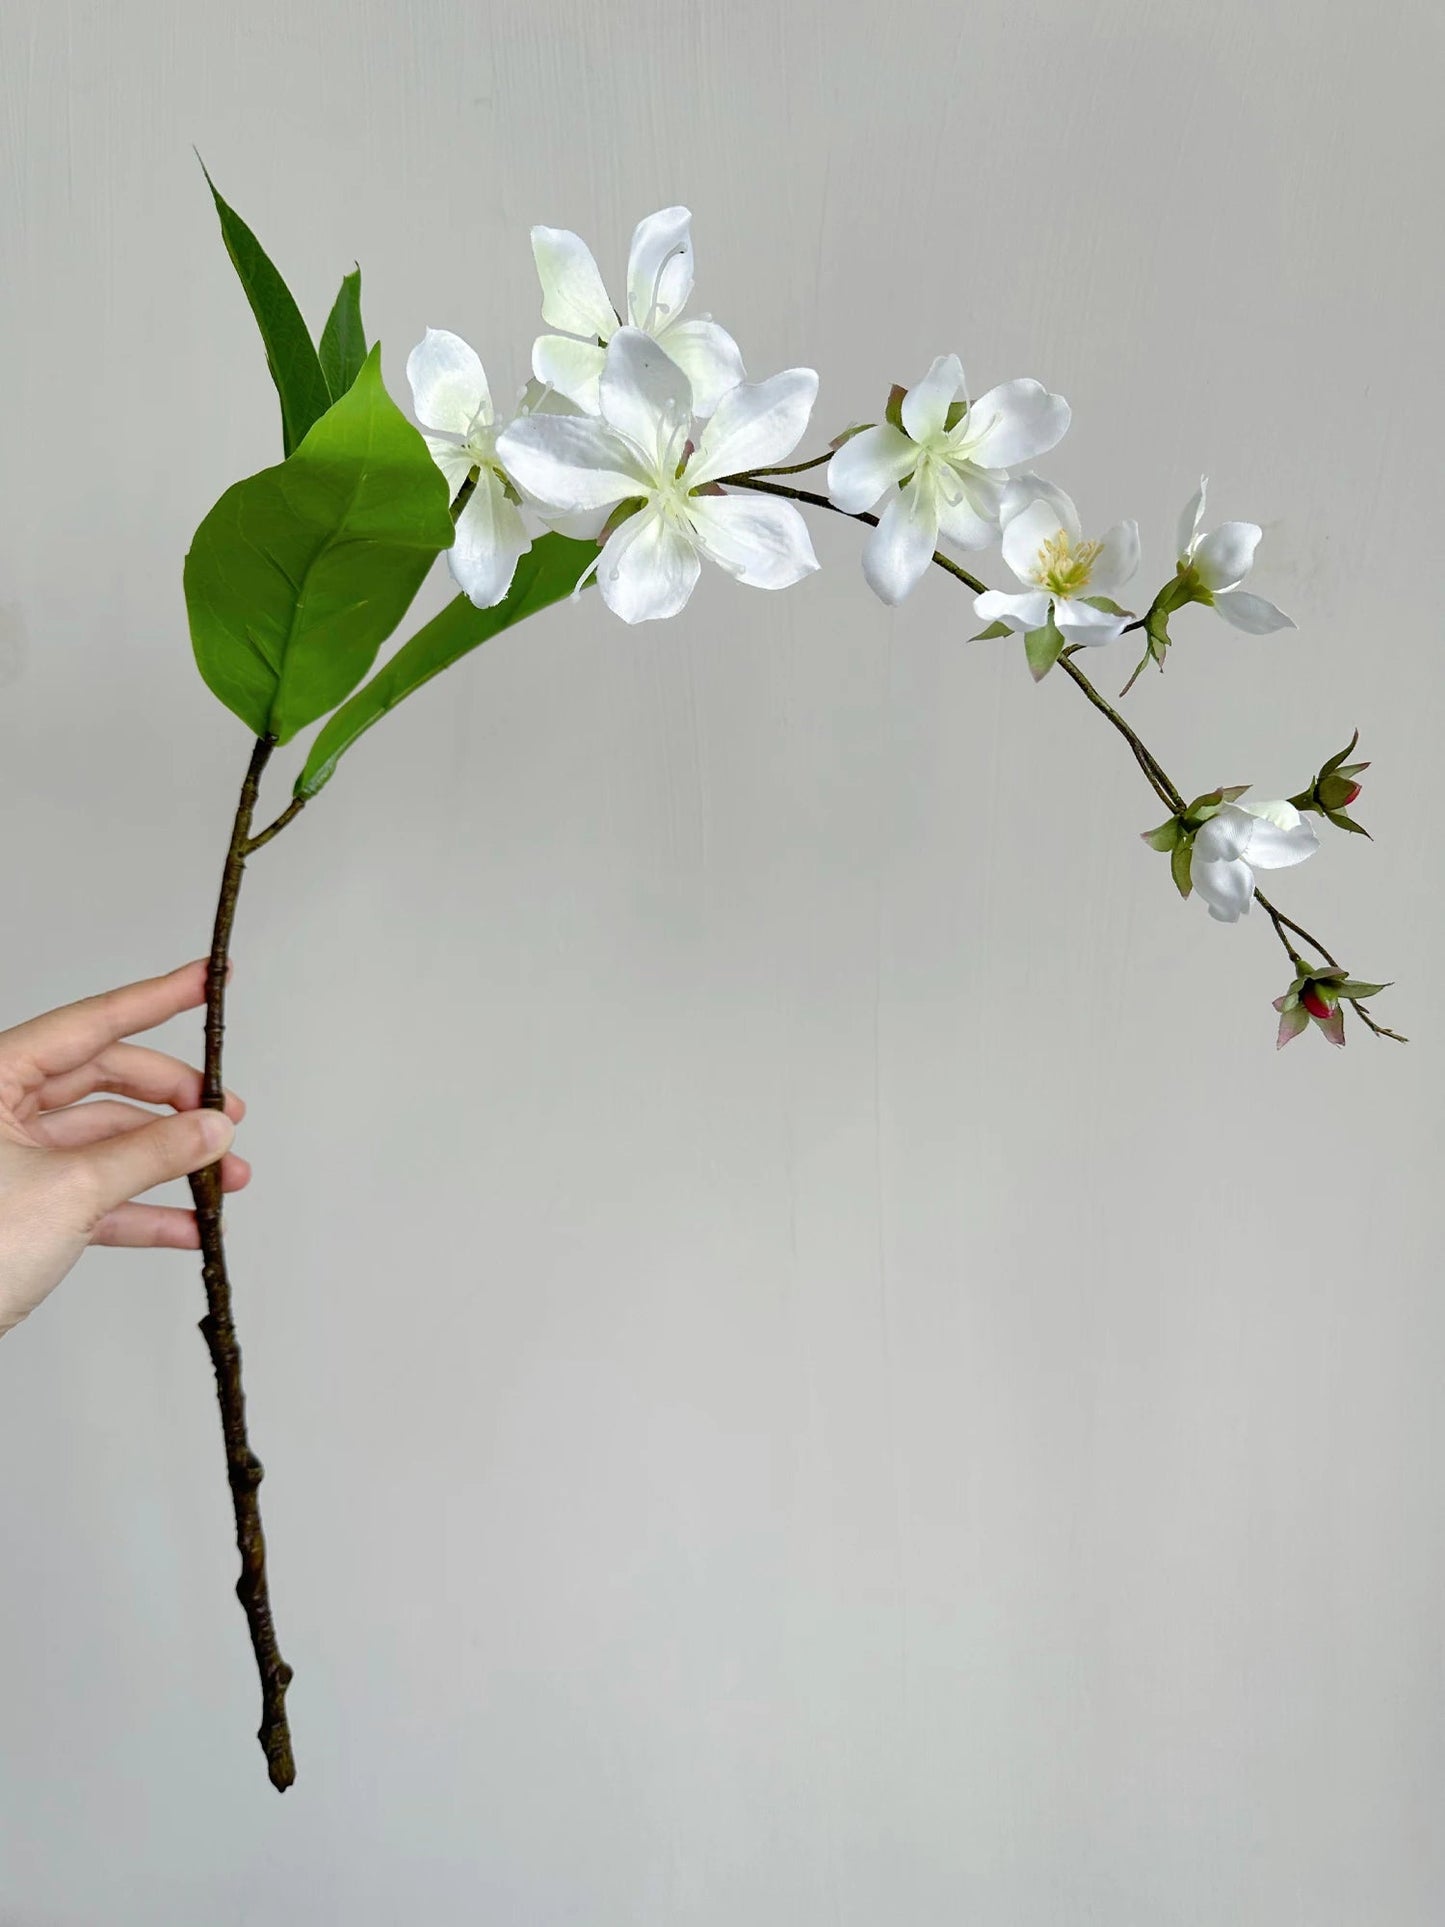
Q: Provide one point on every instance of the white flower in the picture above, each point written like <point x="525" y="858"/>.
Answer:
<point x="944" y="470"/>
<point x="1044" y="547"/>
<point x="449" y="388"/>
<point x="1222" y="561"/>
<point x="659" y="281"/>
<point x="1239" y="839"/>
<point x="640" y="451"/>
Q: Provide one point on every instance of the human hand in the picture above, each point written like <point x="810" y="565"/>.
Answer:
<point x="70" y="1170"/>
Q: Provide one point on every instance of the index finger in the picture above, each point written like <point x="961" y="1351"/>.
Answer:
<point x="65" y="1038"/>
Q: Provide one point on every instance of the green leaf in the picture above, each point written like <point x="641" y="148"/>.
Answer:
<point x="343" y="339"/>
<point x="1166" y="837"/>
<point x="548" y="572"/>
<point x="1042" y="647"/>
<point x="294" y="364"/>
<point x="299" y="574"/>
<point x="1181" y="862"/>
<point x="993" y="629"/>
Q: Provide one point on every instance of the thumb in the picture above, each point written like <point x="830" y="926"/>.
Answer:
<point x="121" y="1167"/>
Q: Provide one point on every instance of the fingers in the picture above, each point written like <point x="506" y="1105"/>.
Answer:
<point x="132" y="1070"/>
<point x="118" y="1168"/>
<point x="154" y="1226"/>
<point x="70" y="1036"/>
<point x="86" y="1124"/>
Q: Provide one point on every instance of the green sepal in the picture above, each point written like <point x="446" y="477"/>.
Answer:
<point x="1203" y="807"/>
<point x="299" y="574"/>
<point x="1181" y="861"/>
<point x="1293" y="1020"/>
<point x="1343" y="822"/>
<point x="854" y="428"/>
<point x="342" y="350"/>
<point x="1042" y="646"/>
<point x="1355" y="990"/>
<point x="1107" y="604"/>
<point x="893" y="408"/>
<point x="1334" y="762"/>
<point x="993" y="629"/>
<point x="956" y="412"/>
<point x="294" y="363"/>
<point x="545" y="574"/>
<point x="1165" y="838"/>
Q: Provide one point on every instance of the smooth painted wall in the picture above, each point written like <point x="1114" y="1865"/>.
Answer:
<point x="816" y="1369"/>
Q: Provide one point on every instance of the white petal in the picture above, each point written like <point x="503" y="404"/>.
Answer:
<point x="900" y="549"/>
<point x="1252" y="613"/>
<point x="454" y="461"/>
<point x="647" y="398"/>
<point x="1118" y="558"/>
<point x="925" y="407"/>
<point x="1028" y="611"/>
<point x="573" y="368"/>
<point x="570" y="462"/>
<point x="1277" y="810"/>
<point x="1226" y="887"/>
<point x="1225" y="836"/>
<point x="867" y="464"/>
<point x="708" y="356"/>
<point x="1078" y="621"/>
<point x="971" y="520"/>
<point x="756" y="423"/>
<point x="759" y="539"/>
<point x="489" y="539"/>
<point x="1273" y="848"/>
<point x="1013" y="423"/>
<point x="448" y="385"/>
<point x="573" y="297"/>
<point x="1023" y="490"/>
<point x="1025" y="536"/>
<point x="648" y="569"/>
<point x="1192" y="516"/>
<point x="659" y="269"/>
<point x="1224" y="557"/>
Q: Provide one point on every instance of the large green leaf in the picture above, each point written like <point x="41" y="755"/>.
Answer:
<point x="343" y="339"/>
<point x="299" y="574"/>
<point x="548" y="571"/>
<point x="294" y="364"/>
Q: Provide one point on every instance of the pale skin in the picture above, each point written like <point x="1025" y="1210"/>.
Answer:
<point x="73" y="1172"/>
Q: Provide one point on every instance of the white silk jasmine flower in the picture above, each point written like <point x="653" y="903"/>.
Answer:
<point x="1239" y="839"/>
<point x="1043" y="545"/>
<point x="452" y="400"/>
<point x="943" y="469"/>
<point x="639" y="457"/>
<point x="1221" y="561"/>
<point x="659" y="281"/>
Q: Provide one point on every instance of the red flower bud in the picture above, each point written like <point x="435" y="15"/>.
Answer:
<point x="1350" y="795"/>
<point x="1316" y="1003"/>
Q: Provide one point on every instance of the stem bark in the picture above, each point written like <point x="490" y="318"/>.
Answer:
<point x="243" y="1468"/>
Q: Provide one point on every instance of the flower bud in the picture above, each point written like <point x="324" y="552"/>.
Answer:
<point x="1316" y="1002"/>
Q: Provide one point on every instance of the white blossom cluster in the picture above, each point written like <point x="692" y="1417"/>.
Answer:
<point x="640" y="429"/>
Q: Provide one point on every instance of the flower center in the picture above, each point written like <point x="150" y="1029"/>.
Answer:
<point x="1063" y="568"/>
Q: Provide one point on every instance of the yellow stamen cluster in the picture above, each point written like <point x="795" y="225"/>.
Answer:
<point x="1063" y="569"/>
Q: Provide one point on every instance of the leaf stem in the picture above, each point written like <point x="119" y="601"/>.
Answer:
<point x="243" y="1468"/>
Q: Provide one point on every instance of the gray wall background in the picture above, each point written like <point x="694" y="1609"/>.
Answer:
<point x="814" y="1365"/>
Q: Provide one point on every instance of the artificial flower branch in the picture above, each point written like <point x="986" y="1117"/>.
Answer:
<point x="638" y="451"/>
<point x="1159" y="779"/>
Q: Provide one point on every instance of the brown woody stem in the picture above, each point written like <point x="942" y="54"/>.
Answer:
<point x="243" y="1468"/>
